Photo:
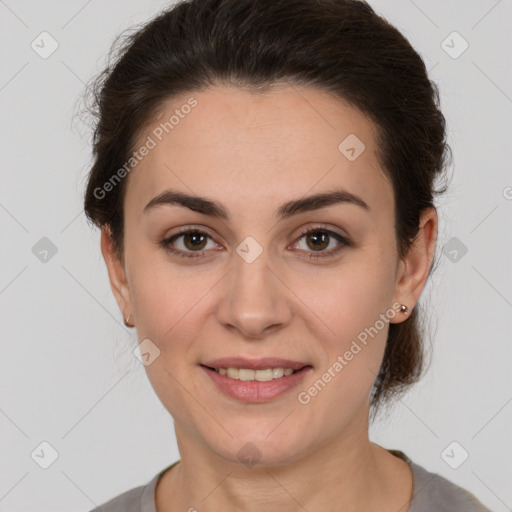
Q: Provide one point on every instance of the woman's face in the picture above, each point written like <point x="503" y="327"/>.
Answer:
<point x="254" y="286"/>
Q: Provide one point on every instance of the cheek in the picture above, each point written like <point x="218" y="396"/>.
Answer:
<point x="351" y="297"/>
<point x="355" y="302"/>
<point x="358" y="312"/>
<point x="169" y="299"/>
<point x="169" y="304"/>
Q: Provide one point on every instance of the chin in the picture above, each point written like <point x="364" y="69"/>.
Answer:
<point x="250" y="449"/>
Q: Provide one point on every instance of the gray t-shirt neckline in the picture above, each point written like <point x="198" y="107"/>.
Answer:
<point x="431" y="492"/>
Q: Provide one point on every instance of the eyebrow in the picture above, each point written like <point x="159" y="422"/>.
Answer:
<point x="215" y="209"/>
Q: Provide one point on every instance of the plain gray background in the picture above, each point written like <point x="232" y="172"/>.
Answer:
<point x="68" y="376"/>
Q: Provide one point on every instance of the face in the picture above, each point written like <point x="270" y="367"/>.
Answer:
<point x="264" y="275"/>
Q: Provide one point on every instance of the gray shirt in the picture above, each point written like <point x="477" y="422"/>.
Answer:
<point x="431" y="493"/>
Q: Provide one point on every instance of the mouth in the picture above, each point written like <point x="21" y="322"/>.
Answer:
<point x="261" y="375"/>
<point x="255" y="381"/>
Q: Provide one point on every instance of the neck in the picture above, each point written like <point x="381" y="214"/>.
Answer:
<point x="348" y="473"/>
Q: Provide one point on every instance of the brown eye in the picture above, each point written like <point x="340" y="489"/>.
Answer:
<point x="317" y="240"/>
<point x="192" y="244"/>
<point x="194" y="240"/>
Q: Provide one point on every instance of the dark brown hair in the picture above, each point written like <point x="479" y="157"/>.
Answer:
<point x="339" y="46"/>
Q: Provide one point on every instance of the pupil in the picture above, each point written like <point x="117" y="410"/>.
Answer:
<point x="319" y="236"/>
<point x="194" y="237"/>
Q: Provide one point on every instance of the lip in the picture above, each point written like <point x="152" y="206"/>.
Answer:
<point x="255" y="364"/>
<point x="255" y="391"/>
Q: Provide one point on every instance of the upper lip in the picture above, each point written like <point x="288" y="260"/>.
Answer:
<point x="255" y="364"/>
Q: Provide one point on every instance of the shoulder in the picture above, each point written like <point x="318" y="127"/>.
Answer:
<point x="129" y="501"/>
<point x="138" y="499"/>
<point x="432" y="491"/>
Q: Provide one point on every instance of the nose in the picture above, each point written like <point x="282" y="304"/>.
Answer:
<point x="255" y="299"/>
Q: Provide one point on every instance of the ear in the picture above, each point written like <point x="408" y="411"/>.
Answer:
<point x="414" y="267"/>
<point x="116" y="273"/>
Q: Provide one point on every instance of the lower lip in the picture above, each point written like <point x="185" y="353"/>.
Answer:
<point x="254" y="390"/>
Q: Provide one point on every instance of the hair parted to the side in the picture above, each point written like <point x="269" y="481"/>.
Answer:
<point x="339" y="46"/>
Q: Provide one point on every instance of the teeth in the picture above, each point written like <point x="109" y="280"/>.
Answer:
<point x="247" y="374"/>
<point x="277" y="372"/>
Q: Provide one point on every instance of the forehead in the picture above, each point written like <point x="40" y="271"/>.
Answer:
<point x="258" y="148"/>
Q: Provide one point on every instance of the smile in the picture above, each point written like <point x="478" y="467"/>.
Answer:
<point x="255" y="385"/>
<point x="247" y="374"/>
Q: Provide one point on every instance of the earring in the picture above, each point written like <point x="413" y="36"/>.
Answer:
<point x="126" y="321"/>
<point x="403" y="309"/>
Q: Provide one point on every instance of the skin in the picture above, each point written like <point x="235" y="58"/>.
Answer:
<point x="252" y="153"/>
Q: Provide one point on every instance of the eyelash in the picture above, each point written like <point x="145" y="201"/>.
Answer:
<point x="344" y="242"/>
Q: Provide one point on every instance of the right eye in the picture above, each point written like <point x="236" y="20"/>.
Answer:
<point x="193" y="243"/>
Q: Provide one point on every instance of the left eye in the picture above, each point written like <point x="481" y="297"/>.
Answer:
<point x="320" y="239"/>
